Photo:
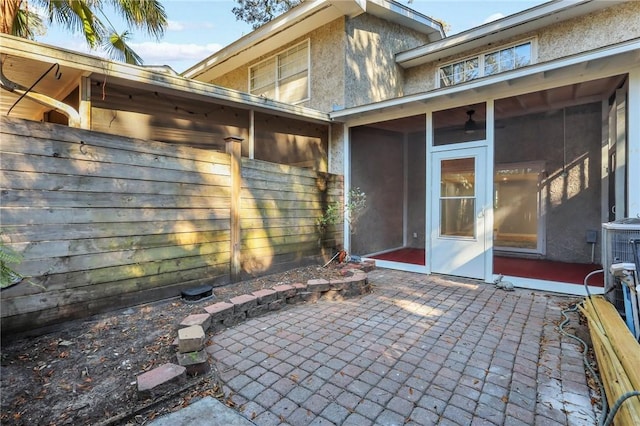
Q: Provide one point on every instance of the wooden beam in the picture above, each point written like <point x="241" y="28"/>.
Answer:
<point x="234" y="149"/>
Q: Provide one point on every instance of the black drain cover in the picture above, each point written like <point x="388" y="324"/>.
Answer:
<point x="196" y="293"/>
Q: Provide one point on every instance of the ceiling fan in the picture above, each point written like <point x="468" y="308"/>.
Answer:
<point x="470" y="125"/>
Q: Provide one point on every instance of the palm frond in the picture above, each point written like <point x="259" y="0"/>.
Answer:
<point x="78" y="16"/>
<point x="118" y="49"/>
<point x="27" y="24"/>
<point x="145" y="14"/>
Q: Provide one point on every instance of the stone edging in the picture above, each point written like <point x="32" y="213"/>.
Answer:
<point x="192" y="357"/>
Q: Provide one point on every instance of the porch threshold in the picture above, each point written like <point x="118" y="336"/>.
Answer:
<point x="552" y="286"/>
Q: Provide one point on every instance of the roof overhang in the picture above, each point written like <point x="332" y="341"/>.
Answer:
<point x="25" y="61"/>
<point x="302" y="19"/>
<point x="604" y="62"/>
<point x="511" y="26"/>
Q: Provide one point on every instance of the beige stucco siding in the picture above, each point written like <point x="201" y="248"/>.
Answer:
<point x="327" y="66"/>
<point x="237" y="79"/>
<point x="336" y="149"/>
<point x="327" y="45"/>
<point x="606" y="27"/>
<point x="609" y="26"/>
<point x="372" y="74"/>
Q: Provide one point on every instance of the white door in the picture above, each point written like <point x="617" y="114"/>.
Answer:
<point x="457" y="213"/>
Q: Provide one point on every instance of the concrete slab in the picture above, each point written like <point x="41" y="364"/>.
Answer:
<point x="208" y="411"/>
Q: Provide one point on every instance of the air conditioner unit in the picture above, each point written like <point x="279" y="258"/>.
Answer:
<point x="617" y="248"/>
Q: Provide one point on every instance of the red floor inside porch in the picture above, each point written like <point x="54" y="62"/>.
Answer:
<point x="546" y="270"/>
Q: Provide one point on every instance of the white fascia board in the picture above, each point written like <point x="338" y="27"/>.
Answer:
<point x="300" y="20"/>
<point x="299" y="14"/>
<point x="403" y="15"/>
<point x="133" y="74"/>
<point x="632" y="46"/>
<point x="493" y="32"/>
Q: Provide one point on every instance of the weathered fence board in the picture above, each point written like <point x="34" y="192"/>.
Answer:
<point x="90" y="231"/>
<point x="105" y="222"/>
<point x="106" y="200"/>
<point x="59" y="165"/>
<point x="56" y="182"/>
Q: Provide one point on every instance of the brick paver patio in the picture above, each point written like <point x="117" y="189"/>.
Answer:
<point x="418" y="350"/>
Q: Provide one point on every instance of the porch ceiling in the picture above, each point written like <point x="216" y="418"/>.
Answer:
<point x="57" y="83"/>
<point x="528" y="103"/>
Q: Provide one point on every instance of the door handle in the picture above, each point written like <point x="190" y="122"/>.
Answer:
<point x="481" y="214"/>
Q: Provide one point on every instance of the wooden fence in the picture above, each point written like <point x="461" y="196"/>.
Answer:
<point x="106" y="222"/>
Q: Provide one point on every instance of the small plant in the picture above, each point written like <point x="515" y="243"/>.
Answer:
<point x="330" y="216"/>
<point x="353" y="209"/>
<point x="355" y="206"/>
<point x="8" y="276"/>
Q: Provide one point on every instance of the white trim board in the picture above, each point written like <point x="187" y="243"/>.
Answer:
<point x="551" y="286"/>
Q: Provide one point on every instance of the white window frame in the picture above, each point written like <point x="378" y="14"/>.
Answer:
<point x="481" y="62"/>
<point x="275" y="59"/>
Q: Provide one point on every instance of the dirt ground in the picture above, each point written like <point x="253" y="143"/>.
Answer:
<point x="85" y="372"/>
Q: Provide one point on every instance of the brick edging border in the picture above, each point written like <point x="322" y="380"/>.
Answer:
<point x="192" y="357"/>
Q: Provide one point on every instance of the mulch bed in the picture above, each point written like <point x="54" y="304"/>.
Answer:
<point x="85" y="372"/>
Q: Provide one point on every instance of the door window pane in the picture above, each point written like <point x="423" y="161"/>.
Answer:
<point x="457" y="197"/>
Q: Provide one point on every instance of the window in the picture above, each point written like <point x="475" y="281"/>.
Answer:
<point x="491" y="63"/>
<point x="284" y="77"/>
<point x="459" y="72"/>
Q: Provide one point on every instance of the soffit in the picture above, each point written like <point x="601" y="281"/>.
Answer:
<point x="58" y="83"/>
<point x="511" y="26"/>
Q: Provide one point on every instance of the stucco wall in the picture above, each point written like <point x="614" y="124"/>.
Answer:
<point x="372" y="74"/>
<point x="608" y="26"/>
<point x="605" y="27"/>
<point x="327" y="46"/>
<point x="336" y="149"/>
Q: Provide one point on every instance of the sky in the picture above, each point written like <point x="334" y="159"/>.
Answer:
<point x="202" y="27"/>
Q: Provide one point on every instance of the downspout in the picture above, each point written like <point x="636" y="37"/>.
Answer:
<point x="24" y="92"/>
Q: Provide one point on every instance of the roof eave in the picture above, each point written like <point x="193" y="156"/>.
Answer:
<point x="299" y="21"/>
<point x="88" y="64"/>
<point x="303" y="12"/>
<point x="584" y="60"/>
<point x="507" y="27"/>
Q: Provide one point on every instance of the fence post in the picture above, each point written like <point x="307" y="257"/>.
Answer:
<point x="234" y="149"/>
